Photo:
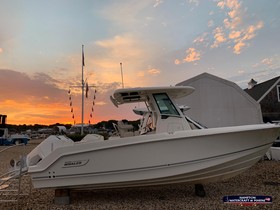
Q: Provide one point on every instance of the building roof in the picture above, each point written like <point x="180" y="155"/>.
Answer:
<point x="218" y="79"/>
<point x="210" y="76"/>
<point x="259" y="91"/>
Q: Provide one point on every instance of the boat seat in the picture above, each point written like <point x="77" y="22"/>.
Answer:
<point x="116" y="129"/>
<point x="125" y="130"/>
<point x="92" y="138"/>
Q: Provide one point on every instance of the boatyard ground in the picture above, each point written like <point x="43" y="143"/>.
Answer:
<point x="261" y="179"/>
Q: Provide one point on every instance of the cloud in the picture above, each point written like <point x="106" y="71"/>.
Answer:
<point x="177" y="61"/>
<point x="195" y="2"/>
<point x="29" y="95"/>
<point x="104" y="109"/>
<point x="122" y="48"/>
<point x="141" y="74"/>
<point x="20" y="84"/>
<point x="154" y="71"/>
<point x="260" y="76"/>
<point x="132" y="51"/>
<point x="11" y="22"/>
<point x="200" y="39"/>
<point x="210" y="23"/>
<point x="271" y="62"/>
<point x="234" y="13"/>
<point x="157" y="3"/>
<point x="238" y="46"/>
<point x="100" y="103"/>
<point x="192" y="55"/>
<point x="219" y="37"/>
<point x="234" y="32"/>
<point x="249" y="33"/>
<point x="267" y="61"/>
<point x="245" y="35"/>
<point x="37" y="99"/>
<point x="149" y="71"/>
<point x="240" y="71"/>
<point x="125" y="13"/>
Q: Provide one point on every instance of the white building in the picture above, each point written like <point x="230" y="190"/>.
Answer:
<point x="217" y="102"/>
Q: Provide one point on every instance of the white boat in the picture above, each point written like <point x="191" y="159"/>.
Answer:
<point x="167" y="149"/>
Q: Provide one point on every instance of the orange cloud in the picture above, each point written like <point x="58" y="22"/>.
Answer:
<point x="200" y="39"/>
<point x="234" y="34"/>
<point x="250" y="31"/>
<point x="141" y="74"/>
<point x="34" y="113"/>
<point x="237" y="31"/>
<point x="150" y="71"/>
<point x="39" y="100"/>
<point x="238" y="46"/>
<point x="154" y="71"/>
<point x="192" y="55"/>
<point x="246" y="35"/>
<point x="177" y="61"/>
<point x="129" y="50"/>
<point x="219" y="37"/>
<point x="234" y="14"/>
<point x="32" y="100"/>
<point x="121" y="48"/>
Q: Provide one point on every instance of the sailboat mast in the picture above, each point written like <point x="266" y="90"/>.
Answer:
<point x="83" y="85"/>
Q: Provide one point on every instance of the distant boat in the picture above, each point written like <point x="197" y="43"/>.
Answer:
<point x="167" y="149"/>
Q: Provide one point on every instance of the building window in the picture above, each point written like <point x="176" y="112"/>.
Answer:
<point x="278" y="92"/>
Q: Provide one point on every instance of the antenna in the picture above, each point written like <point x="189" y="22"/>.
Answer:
<point x="122" y="75"/>
<point x="83" y="85"/>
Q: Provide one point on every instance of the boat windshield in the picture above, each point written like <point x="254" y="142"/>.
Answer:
<point x="165" y="105"/>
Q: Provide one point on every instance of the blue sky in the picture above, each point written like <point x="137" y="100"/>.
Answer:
<point x="159" y="42"/>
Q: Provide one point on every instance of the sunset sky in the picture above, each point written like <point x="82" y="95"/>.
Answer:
<point x="158" y="42"/>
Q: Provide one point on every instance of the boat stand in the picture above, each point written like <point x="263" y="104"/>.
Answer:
<point x="199" y="190"/>
<point x="62" y="196"/>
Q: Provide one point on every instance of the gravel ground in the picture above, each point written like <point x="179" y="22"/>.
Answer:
<point x="261" y="179"/>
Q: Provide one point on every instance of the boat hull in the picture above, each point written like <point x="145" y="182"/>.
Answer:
<point x="198" y="156"/>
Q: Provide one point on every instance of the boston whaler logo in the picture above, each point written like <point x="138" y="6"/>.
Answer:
<point x="75" y="163"/>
